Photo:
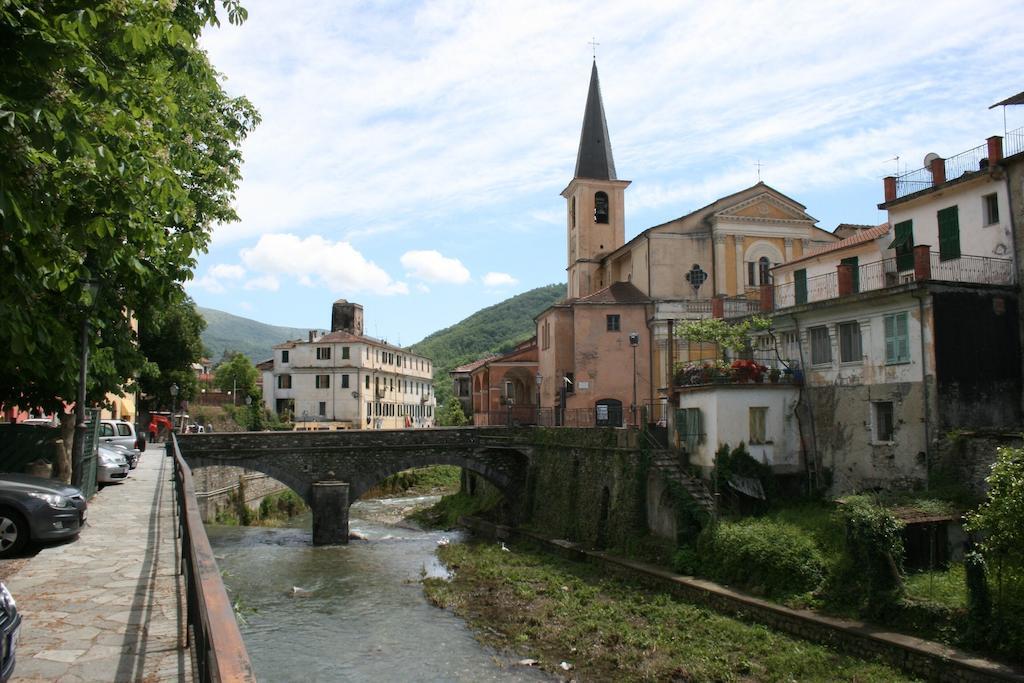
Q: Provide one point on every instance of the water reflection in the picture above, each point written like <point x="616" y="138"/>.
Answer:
<point x="353" y="612"/>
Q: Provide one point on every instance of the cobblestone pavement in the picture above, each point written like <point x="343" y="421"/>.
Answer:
<point x="109" y="606"/>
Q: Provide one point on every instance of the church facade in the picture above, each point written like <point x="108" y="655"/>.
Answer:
<point x="605" y="354"/>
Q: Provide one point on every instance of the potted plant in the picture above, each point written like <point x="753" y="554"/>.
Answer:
<point x="773" y="375"/>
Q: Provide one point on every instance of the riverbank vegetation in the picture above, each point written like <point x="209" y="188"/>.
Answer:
<point x="609" y="628"/>
<point x="274" y="510"/>
<point x="420" y="481"/>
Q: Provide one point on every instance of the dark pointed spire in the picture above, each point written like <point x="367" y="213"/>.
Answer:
<point x="594" y="159"/>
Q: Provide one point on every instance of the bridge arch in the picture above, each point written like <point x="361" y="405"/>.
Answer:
<point x="296" y="481"/>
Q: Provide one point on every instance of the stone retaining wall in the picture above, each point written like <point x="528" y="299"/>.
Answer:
<point x="214" y="486"/>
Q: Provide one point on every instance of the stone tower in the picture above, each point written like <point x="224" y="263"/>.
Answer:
<point x="346" y="317"/>
<point x="595" y="200"/>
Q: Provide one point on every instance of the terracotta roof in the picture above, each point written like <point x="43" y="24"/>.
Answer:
<point x="860" y="238"/>
<point x="470" y="367"/>
<point x="267" y="364"/>
<point x="616" y="293"/>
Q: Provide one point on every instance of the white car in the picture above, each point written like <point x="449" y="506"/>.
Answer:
<point x="121" y="433"/>
<point x="111" y="466"/>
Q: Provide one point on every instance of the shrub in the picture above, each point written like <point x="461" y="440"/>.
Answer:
<point x="870" y="573"/>
<point x="776" y="559"/>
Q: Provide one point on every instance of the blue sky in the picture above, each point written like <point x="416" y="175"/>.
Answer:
<point x="411" y="155"/>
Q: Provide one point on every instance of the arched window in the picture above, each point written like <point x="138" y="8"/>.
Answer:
<point x="763" y="264"/>
<point x="600" y="207"/>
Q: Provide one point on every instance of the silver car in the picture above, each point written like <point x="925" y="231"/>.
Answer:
<point x="111" y="466"/>
<point x="37" y="509"/>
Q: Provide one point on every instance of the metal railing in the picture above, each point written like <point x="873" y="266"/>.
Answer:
<point x="913" y="181"/>
<point x="1013" y="142"/>
<point x="984" y="270"/>
<point x="218" y="649"/>
<point x="970" y="161"/>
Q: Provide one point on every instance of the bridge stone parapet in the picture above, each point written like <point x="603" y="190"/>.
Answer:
<point x="360" y="460"/>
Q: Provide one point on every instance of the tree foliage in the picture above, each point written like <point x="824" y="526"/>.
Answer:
<point x="237" y="374"/>
<point x="726" y="335"/>
<point x="1001" y="516"/>
<point x="170" y="339"/>
<point x="451" y="414"/>
<point x="118" y="152"/>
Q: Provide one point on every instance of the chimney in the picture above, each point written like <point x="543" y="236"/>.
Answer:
<point x="844" y="277"/>
<point x="922" y="262"/>
<point x="889" y="182"/>
<point x="995" y="150"/>
<point x="718" y="306"/>
<point x="767" y="298"/>
<point x="938" y="171"/>
<point x="346" y="317"/>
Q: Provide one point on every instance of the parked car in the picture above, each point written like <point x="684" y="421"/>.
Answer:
<point x="132" y="455"/>
<point x="10" y="627"/>
<point x="37" y="509"/>
<point x="122" y="433"/>
<point x="111" y="465"/>
<point x="41" y="421"/>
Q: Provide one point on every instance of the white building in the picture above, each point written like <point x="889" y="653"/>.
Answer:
<point x="345" y="380"/>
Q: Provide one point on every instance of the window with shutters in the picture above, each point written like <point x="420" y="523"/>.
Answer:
<point x="990" y="204"/>
<point x="949" y="233"/>
<point x="897" y="339"/>
<point x="345" y="352"/>
<point x="284" y="381"/>
<point x="344" y="381"/>
<point x="800" y="285"/>
<point x="612" y="322"/>
<point x="322" y="412"/>
<point x="904" y="245"/>
<point x="323" y="381"/>
<point x="758" y="421"/>
<point x="821" y="345"/>
<point x="323" y="353"/>
<point x="690" y="428"/>
<point x="849" y="343"/>
<point x="284" y="356"/>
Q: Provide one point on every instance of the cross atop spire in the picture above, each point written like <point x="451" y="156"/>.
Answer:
<point x="593" y="46"/>
<point x="594" y="159"/>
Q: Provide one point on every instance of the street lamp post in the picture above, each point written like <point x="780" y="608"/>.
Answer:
<point x="174" y="406"/>
<point x="78" y="448"/>
<point x="540" y="380"/>
<point x="634" y="341"/>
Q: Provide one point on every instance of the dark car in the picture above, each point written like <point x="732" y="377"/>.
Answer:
<point x="37" y="509"/>
<point x="10" y="625"/>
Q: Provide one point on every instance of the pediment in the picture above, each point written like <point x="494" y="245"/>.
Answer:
<point x="765" y="207"/>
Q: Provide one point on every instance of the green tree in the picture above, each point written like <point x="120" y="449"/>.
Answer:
<point x="452" y="415"/>
<point x="119" y="151"/>
<point x="726" y="335"/>
<point x="170" y="339"/>
<point x="239" y="375"/>
<point x="1001" y="516"/>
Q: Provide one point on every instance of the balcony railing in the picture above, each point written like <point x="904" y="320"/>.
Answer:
<point x="970" y="161"/>
<point x="1013" y="142"/>
<point x="885" y="273"/>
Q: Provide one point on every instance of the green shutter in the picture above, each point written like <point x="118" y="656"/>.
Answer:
<point x="897" y="339"/>
<point x="800" y="285"/>
<point x="853" y="261"/>
<point x="904" y="244"/>
<point x="949" y="234"/>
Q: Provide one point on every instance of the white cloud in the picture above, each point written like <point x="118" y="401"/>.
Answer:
<point x="422" y="288"/>
<point x="268" y="282"/>
<point x="218" y="278"/>
<point x="317" y="262"/>
<point x="431" y="266"/>
<point x="499" y="280"/>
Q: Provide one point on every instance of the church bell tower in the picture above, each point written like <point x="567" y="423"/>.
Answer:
<point x="595" y="200"/>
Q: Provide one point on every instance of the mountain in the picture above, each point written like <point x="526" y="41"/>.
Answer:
<point x="226" y="332"/>
<point x="494" y="329"/>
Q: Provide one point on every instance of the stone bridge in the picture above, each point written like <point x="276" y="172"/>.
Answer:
<point x="332" y="469"/>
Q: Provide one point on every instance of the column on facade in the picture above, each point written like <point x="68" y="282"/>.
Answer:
<point x="741" y="286"/>
<point x="789" y="249"/>
<point x="719" y="264"/>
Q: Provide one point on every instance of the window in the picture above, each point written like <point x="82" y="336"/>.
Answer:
<point x="570" y="383"/>
<point x="763" y="267"/>
<point x="990" y="206"/>
<point x="546" y="335"/>
<point x="949" y="233"/>
<point x="600" y="207"/>
<point x="323" y="381"/>
<point x="106" y="429"/>
<point x="897" y="339"/>
<point x="322" y="409"/>
<point x="758" y="419"/>
<point x="345" y="352"/>
<point x="850" y="343"/>
<point x="612" y="322"/>
<point x="284" y="381"/>
<point x="572" y="211"/>
<point x="821" y="345"/>
<point x="323" y="353"/>
<point x="367" y="381"/>
<point x="854" y="264"/>
<point x="284" y="356"/>
<point x="800" y="285"/>
<point x="689" y="426"/>
<point x="882" y="420"/>
<point x="344" y="381"/>
<point x="123" y="429"/>
<point x="750" y="274"/>
<point x="904" y="245"/>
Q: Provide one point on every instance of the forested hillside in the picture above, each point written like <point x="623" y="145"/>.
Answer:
<point x="227" y="332"/>
<point x="494" y="329"/>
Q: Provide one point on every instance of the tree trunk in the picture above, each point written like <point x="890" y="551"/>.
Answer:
<point x="62" y="465"/>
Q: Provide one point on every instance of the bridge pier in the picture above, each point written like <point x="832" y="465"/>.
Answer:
<point x="330" y="512"/>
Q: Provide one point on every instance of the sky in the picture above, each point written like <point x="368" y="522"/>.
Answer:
<point x="411" y="155"/>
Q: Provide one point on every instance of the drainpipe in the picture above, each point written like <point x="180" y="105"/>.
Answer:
<point x="924" y="384"/>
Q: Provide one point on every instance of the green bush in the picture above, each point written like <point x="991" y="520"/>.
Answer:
<point x="869" y="576"/>
<point x="772" y="558"/>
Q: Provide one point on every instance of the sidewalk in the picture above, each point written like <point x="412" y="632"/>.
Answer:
<point x="109" y="606"/>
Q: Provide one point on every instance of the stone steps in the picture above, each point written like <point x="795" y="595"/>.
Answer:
<point x="668" y="463"/>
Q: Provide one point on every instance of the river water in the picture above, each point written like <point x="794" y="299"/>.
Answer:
<point x="355" y="612"/>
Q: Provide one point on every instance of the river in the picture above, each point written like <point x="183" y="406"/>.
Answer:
<point x="355" y="612"/>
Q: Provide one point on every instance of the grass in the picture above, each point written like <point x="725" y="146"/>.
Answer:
<point x="947" y="587"/>
<point x="446" y="512"/>
<point x="613" y="629"/>
<point x="418" y="481"/>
